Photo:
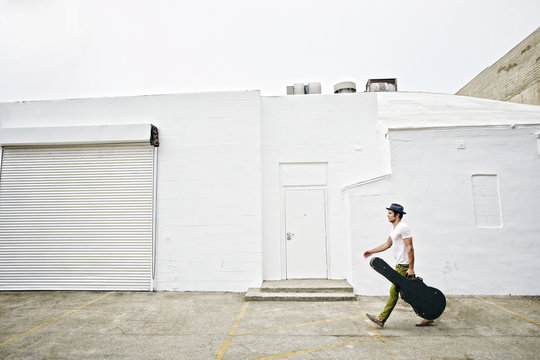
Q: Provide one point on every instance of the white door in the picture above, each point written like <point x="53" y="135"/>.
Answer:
<point x="305" y="233"/>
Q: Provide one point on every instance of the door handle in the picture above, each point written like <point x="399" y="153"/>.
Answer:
<point x="289" y="236"/>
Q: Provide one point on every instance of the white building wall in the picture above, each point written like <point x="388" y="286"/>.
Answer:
<point x="209" y="176"/>
<point x="220" y="224"/>
<point x="341" y="131"/>
<point x="210" y="191"/>
<point x="431" y="177"/>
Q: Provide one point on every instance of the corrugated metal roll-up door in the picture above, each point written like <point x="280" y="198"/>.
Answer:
<point x="76" y="217"/>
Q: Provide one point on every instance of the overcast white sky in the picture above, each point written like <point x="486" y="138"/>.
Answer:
<point x="51" y="49"/>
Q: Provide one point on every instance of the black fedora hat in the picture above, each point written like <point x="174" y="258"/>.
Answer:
<point x="396" y="208"/>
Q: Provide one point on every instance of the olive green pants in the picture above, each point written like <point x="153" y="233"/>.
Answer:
<point x="394" y="294"/>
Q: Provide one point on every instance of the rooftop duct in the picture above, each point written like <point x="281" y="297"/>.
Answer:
<point x="345" y="87"/>
<point x="303" y="89"/>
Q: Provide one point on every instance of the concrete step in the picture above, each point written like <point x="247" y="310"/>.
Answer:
<point x="308" y="285"/>
<point x="256" y="294"/>
<point x="302" y="290"/>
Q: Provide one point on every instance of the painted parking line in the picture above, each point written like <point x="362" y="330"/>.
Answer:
<point x="509" y="311"/>
<point x="270" y="310"/>
<point x="298" y="325"/>
<point x="309" y="350"/>
<point x="55" y="319"/>
<point x="321" y="348"/>
<point x="377" y="332"/>
<point x="232" y="332"/>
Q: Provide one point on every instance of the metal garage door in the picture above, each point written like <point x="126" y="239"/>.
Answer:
<point x="76" y="217"/>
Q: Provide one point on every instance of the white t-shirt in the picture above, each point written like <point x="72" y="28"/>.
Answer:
<point x="400" y="232"/>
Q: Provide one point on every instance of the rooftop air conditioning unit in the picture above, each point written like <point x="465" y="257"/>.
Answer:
<point x="301" y="89"/>
<point x="345" y="87"/>
<point x="374" y="85"/>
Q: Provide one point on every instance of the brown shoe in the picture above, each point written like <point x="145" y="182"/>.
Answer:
<point x="425" y="323"/>
<point x="375" y="320"/>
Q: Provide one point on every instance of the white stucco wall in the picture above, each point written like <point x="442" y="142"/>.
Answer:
<point x="209" y="176"/>
<point x="220" y="223"/>
<point x="341" y="131"/>
<point x="210" y="195"/>
<point x="431" y="177"/>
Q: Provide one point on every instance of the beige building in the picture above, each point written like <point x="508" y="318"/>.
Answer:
<point x="515" y="77"/>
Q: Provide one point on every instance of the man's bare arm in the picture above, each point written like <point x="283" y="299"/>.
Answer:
<point x="379" y="248"/>
<point x="410" y="253"/>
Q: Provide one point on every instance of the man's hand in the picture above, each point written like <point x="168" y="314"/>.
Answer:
<point x="410" y="272"/>
<point x="368" y="254"/>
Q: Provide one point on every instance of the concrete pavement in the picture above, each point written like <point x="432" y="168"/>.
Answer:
<point x="191" y="325"/>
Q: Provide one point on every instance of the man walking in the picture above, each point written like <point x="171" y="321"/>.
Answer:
<point x="401" y="240"/>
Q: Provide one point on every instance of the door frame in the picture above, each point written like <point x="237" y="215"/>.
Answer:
<point x="283" y="231"/>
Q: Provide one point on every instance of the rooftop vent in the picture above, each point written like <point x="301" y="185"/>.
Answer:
<point x="301" y="88"/>
<point x="345" y="87"/>
<point x="374" y="85"/>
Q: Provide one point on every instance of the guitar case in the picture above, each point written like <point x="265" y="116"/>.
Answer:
<point x="427" y="302"/>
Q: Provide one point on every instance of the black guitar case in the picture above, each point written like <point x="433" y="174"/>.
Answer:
<point x="427" y="302"/>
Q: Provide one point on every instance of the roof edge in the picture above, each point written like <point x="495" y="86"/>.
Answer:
<point x="385" y="177"/>
<point x="461" y="127"/>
